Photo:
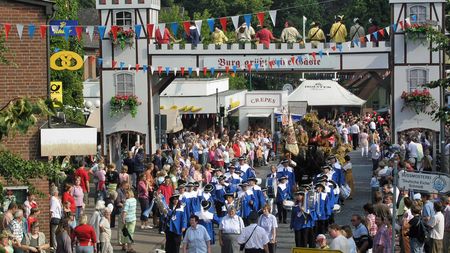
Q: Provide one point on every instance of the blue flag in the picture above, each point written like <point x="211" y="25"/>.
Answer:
<point x="320" y="53"/>
<point x="211" y="24"/>
<point x="356" y="42"/>
<point x="234" y="68"/>
<point x="100" y="61"/>
<point x="248" y="19"/>
<point x="212" y="70"/>
<point x="174" y="27"/>
<point x="145" y="68"/>
<point x="300" y="58"/>
<point x="339" y="46"/>
<point x="67" y="32"/>
<point x="394" y="28"/>
<point x="137" y="29"/>
<point x="256" y="66"/>
<point x="190" y="71"/>
<point x="278" y="62"/>
<point x="122" y="64"/>
<point x="101" y="31"/>
<point x="375" y="35"/>
<point x="167" y="70"/>
<point x="31" y="30"/>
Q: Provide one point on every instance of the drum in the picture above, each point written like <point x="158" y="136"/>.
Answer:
<point x="336" y="208"/>
<point x="258" y="181"/>
<point x="288" y="204"/>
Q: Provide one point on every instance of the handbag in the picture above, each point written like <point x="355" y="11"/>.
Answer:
<point x="126" y="233"/>
<point x="242" y="246"/>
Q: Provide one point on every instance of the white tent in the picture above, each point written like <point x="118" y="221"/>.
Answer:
<point x="324" y="93"/>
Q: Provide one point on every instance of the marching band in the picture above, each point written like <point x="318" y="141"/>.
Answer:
<point x="237" y="193"/>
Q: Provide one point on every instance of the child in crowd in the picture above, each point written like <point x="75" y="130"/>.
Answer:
<point x="259" y="157"/>
<point x="123" y="176"/>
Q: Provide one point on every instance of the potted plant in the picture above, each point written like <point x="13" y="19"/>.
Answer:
<point x="119" y="104"/>
<point x="123" y="37"/>
<point x="418" y="100"/>
<point x="418" y="31"/>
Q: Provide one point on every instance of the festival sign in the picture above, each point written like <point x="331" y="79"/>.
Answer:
<point x="57" y="27"/>
<point x="424" y="182"/>
<point x="56" y="93"/>
<point x="273" y="62"/>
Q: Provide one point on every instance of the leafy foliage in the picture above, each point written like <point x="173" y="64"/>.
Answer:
<point x="3" y="51"/>
<point x="14" y="169"/>
<point x="72" y="80"/>
<point x="238" y="82"/>
<point x="20" y="114"/>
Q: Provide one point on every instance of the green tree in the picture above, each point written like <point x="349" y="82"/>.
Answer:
<point x="72" y="80"/>
<point x="238" y="82"/>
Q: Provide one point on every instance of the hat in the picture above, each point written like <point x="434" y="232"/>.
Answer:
<point x="242" y="158"/>
<point x="305" y="186"/>
<point x="313" y="23"/>
<point x="284" y="161"/>
<point x="326" y="167"/>
<point x="221" y="177"/>
<point x="167" y="177"/>
<point x="264" y="189"/>
<point x="244" y="184"/>
<point x="190" y="184"/>
<point x="181" y="186"/>
<point x="283" y="177"/>
<point x="229" y="194"/>
<point x="209" y="188"/>
<point x="417" y="196"/>
<point x="231" y="167"/>
<point x="175" y="195"/>
<point x="196" y="184"/>
<point x="206" y="204"/>
<point x="331" y="157"/>
<point x="319" y="185"/>
<point x="252" y="178"/>
<point x="355" y="20"/>
<point x="299" y="192"/>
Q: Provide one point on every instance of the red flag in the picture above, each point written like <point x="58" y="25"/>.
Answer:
<point x="227" y="69"/>
<point x="114" y="30"/>
<point x="137" y="67"/>
<point x="150" y="30"/>
<point x="223" y="22"/>
<point x="271" y="64"/>
<point x="43" y="31"/>
<point x="362" y="39"/>
<point x="7" y="29"/>
<point x="159" y="70"/>
<point x="186" y="25"/>
<point x="260" y="17"/>
<point x="381" y="31"/>
<point x="401" y="25"/>
<point x="333" y="48"/>
<point x="314" y="55"/>
<point x="205" y="69"/>
<point x="249" y="67"/>
<point x="114" y="63"/>
<point x="293" y="60"/>
<point x="79" y="31"/>
<point x="182" y="71"/>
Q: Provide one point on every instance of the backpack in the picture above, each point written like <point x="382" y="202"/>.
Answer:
<point x="423" y="231"/>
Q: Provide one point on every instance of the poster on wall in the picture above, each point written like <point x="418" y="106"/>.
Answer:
<point x="57" y="27"/>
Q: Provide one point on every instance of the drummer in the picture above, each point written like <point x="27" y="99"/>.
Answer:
<point x="260" y="200"/>
<point x="302" y="221"/>
<point x="233" y="178"/>
<point x="283" y="194"/>
<point x="286" y="170"/>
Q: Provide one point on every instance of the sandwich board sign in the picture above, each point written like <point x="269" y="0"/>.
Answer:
<point x="424" y="182"/>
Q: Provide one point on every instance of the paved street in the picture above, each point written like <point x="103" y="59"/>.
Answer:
<point x="149" y="240"/>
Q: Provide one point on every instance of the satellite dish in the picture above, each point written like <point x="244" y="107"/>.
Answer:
<point x="288" y="87"/>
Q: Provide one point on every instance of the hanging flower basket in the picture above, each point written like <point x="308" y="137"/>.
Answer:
<point x="124" y="37"/>
<point x="120" y="104"/>
<point x="417" y="100"/>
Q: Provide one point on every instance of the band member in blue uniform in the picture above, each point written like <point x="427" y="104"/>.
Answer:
<point x="176" y="224"/>
<point x="260" y="200"/>
<point x="285" y="170"/>
<point x="233" y="178"/>
<point x="245" y="169"/>
<point x="283" y="193"/>
<point x="188" y="196"/>
<point x="207" y="193"/>
<point x="207" y="217"/>
<point x="221" y="190"/>
<point x="272" y="185"/>
<point x="246" y="200"/>
<point x="302" y="221"/>
<point x="195" y="203"/>
<point x="338" y="173"/>
<point x="321" y="209"/>
<point x="230" y="200"/>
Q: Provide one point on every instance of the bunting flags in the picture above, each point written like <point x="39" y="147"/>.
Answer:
<point x="211" y="24"/>
<point x="198" y="25"/>
<point x="174" y="27"/>
<point x="182" y="71"/>
<point x="223" y="23"/>
<point x="137" y="30"/>
<point x="186" y="25"/>
<point x="7" y="27"/>
<point x="248" y="19"/>
<point x="162" y="29"/>
<point x="31" y="30"/>
<point x="273" y="16"/>
<point x="79" y="31"/>
<point x="19" y="28"/>
<point x="260" y="17"/>
<point x="43" y="31"/>
<point x="235" y="20"/>
<point x="150" y="28"/>
<point x="101" y="31"/>
<point x="67" y="32"/>
<point x="90" y="32"/>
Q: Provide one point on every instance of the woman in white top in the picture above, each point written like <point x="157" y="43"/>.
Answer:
<point x="364" y="143"/>
<point x="230" y="228"/>
<point x="269" y="222"/>
<point x="349" y="175"/>
<point x="56" y="212"/>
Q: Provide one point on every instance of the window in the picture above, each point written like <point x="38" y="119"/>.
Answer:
<point x="124" y="18"/>
<point x="417" y="77"/>
<point x="420" y="12"/>
<point x="124" y="84"/>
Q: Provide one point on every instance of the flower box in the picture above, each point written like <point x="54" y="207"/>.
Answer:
<point x="123" y="38"/>
<point x="120" y="104"/>
<point x="418" y="31"/>
<point x="417" y="100"/>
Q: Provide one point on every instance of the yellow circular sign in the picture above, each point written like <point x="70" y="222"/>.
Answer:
<point x="66" y="60"/>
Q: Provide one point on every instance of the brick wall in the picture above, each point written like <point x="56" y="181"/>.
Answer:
<point x="27" y="78"/>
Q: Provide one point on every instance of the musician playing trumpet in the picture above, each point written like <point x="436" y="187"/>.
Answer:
<point x="302" y="221"/>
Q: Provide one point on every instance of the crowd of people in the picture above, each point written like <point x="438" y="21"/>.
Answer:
<point x="199" y="183"/>
<point x="246" y="33"/>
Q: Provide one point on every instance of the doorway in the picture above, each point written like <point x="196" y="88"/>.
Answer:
<point x="119" y="143"/>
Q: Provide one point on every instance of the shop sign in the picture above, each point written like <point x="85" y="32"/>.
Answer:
<point x="272" y="62"/>
<point x="424" y="182"/>
<point x="56" y="93"/>
<point x="57" y="27"/>
<point x="263" y="100"/>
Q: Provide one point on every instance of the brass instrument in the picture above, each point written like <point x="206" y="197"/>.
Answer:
<point x="162" y="207"/>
